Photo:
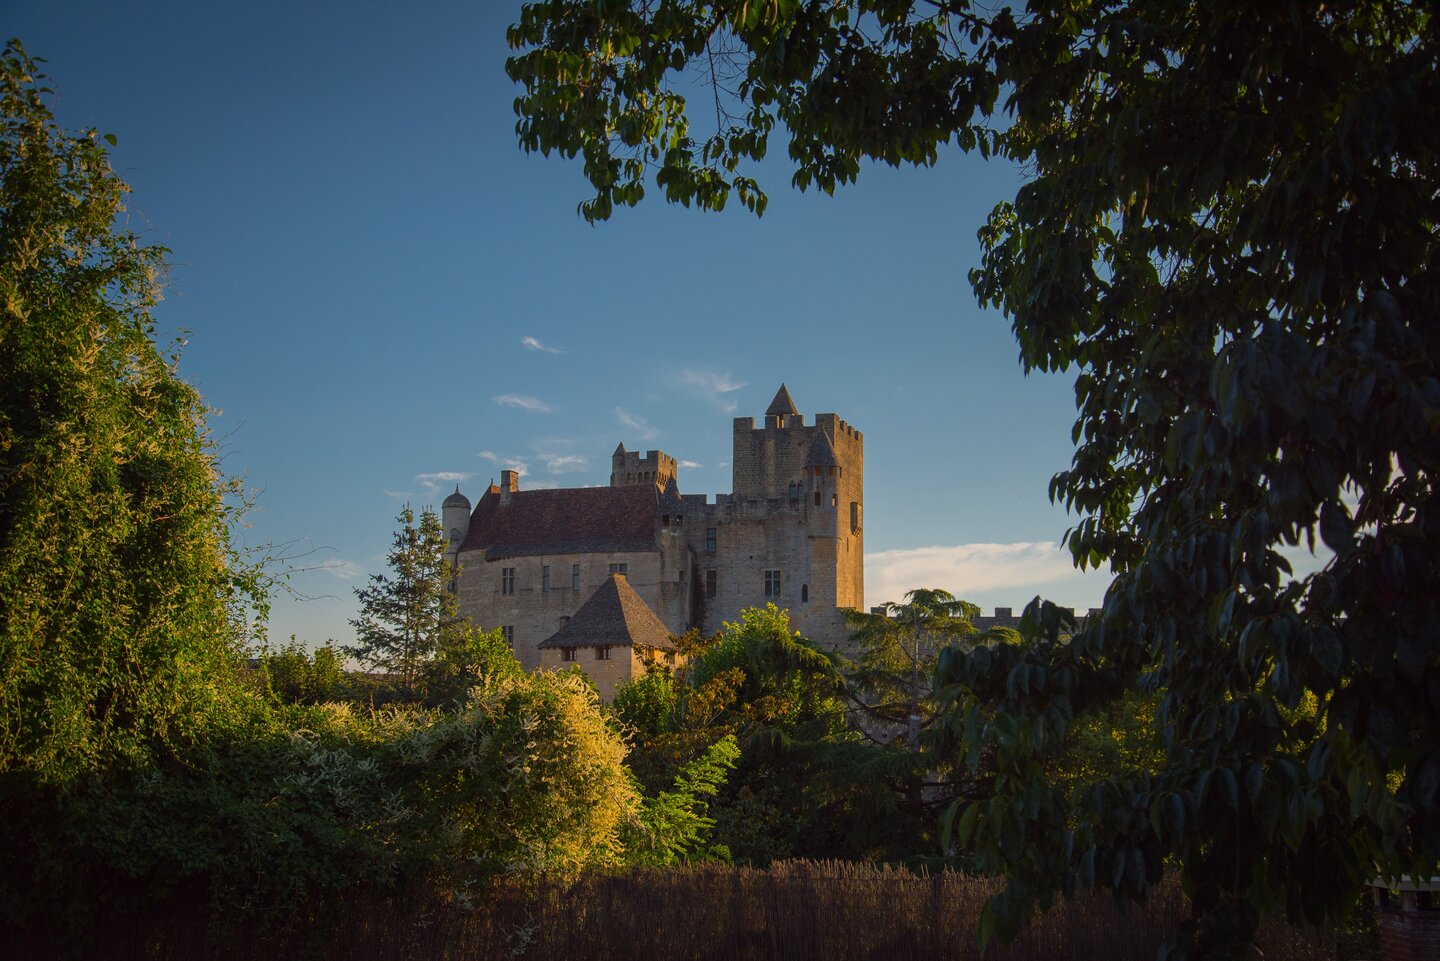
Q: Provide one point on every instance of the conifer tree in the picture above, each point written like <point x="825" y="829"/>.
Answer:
<point x="407" y="616"/>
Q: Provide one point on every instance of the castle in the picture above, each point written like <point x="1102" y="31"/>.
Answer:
<point x="790" y="533"/>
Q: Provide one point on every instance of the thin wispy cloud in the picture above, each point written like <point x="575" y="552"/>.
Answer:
<point x="1005" y="574"/>
<point x="517" y="464"/>
<point x="710" y="385"/>
<point x="640" y="426"/>
<point x="530" y="405"/>
<point x="435" y="482"/>
<point x="690" y="465"/>
<point x="341" y="569"/>
<point x="533" y="343"/>
<point x="564" y="463"/>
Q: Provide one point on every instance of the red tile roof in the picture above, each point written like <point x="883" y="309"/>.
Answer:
<point x="614" y="616"/>
<point x="568" y="521"/>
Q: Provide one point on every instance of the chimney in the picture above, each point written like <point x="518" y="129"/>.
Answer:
<point x="509" y="484"/>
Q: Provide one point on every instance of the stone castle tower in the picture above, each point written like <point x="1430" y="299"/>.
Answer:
<point x="790" y="533"/>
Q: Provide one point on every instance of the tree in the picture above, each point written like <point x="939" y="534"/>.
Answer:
<point x="118" y="587"/>
<point x="896" y="650"/>
<point x="408" y="616"/>
<point x="297" y="675"/>
<point x="1229" y="230"/>
<point x="469" y="657"/>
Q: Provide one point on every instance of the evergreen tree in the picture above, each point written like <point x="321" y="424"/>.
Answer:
<point x="409" y="615"/>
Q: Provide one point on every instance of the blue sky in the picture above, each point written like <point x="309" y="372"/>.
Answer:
<point x="382" y="295"/>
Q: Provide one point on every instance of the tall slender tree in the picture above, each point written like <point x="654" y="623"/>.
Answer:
<point x="407" y="615"/>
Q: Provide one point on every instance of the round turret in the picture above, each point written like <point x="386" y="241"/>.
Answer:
<point x="455" y="516"/>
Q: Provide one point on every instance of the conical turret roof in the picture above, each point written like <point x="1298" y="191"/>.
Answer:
<point x="822" y="452"/>
<point x="457" y="499"/>
<point x="782" y="405"/>
<point x="614" y="616"/>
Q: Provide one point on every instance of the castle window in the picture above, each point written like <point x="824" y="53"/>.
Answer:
<point x="854" y="515"/>
<point x="772" y="583"/>
<point x="575" y="577"/>
<point x="602" y="653"/>
<point x="681" y="577"/>
<point x="567" y="653"/>
<point x="454" y="534"/>
<point x="508" y="632"/>
<point x="664" y="520"/>
<point x="834" y="500"/>
<point x="794" y="491"/>
<point x="621" y="569"/>
<point x="545" y="578"/>
<point x="817" y="498"/>
<point x="710" y="539"/>
<point x="507" y="580"/>
<point x="804" y="593"/>
<point x="709" y="583"/>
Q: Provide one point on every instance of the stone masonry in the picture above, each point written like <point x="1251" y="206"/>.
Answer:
<point x="791" y="533"/>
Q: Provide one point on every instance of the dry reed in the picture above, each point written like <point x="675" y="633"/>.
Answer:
<point x="795" y="910"/>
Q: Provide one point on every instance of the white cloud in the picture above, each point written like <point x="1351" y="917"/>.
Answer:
<point x="709" y="384"/>
<point x="531" y="405"/>
<point x="690" y="465"/>
<point x="534" y="344"/>
<point x="342" y="569"/>
<point x="564" y="463"/>
<point x="636" y="423"/>
<point x="399" y="495"/>
<point x="517" y="464"/>
<point x="987" y="574"/>
<point x="437" y="481"/>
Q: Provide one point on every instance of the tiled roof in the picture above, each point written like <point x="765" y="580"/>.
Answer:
<point x="822" y="452"/>
<point x="568" y="521"/>
<point x="457" y="499"/>
<point x="614" y="616"/>
<point x="782" y="404"/>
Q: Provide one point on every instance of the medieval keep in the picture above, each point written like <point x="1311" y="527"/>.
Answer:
<point x="790" y="533"/>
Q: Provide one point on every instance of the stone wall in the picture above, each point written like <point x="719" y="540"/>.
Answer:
<point x="623" y="665"/>
<point x="536" y="613"/>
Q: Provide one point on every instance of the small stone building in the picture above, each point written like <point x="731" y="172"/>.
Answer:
<point x="609" y="637"/>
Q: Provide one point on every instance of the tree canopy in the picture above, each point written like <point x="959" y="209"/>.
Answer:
<point x="118" y="587"/>
<point x="1229" y="232"/>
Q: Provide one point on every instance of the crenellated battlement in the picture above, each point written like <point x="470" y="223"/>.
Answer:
<point x="628" y="468"/>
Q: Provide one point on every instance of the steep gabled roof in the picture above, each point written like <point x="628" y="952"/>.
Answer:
<point x="822" y="452"/>
<point x="570" y="521"/>
<point x="782" y="404"/>
<point x="614" y="616"/>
